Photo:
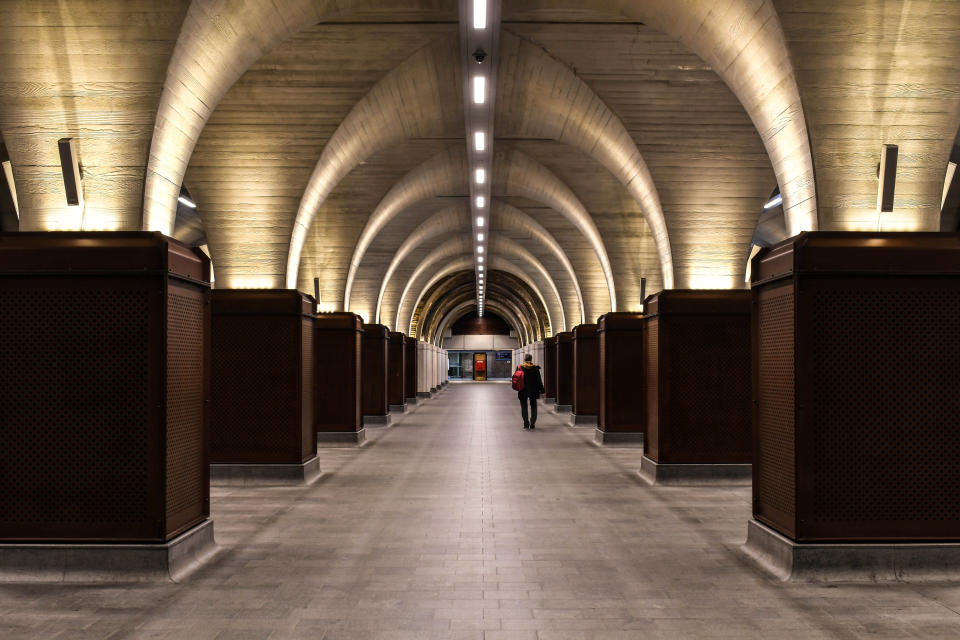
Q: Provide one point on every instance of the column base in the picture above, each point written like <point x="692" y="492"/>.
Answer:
<point x="398" y="408"/>
<point x="850" y="562"/>
<point x="583" y="420"/>
<point x="618" y="438"/>
<point x="562" y="408"/>
<point x="411" y="400"/>
<point x="424" y="394"/>
<point x="127" y="562"/>
<point x="549" y="401"/>
<point x="377" y="421"/>
<point x="265" y="475"/>
<point x="331" y="439"/>
<point x="434" y="390"/>
<point x="695" y="474"/>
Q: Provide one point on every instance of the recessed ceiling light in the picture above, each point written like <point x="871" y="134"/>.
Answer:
<point x="480" y="249"/>
<point x="481" y="176"/>
<point x="776" y="201"/>
<point x="479" y="89"/>
<point x="479" y="14"/>
<point x="480" y="221"/>
<point x="479" y="237"/>
<point x="479" y="140"/>
<point x="480" y="268"/>
<point x="481" y="202"/>
<point x="479" y="258"/>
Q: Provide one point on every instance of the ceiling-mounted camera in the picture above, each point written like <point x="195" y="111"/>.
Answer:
<point x="479" y="56"/>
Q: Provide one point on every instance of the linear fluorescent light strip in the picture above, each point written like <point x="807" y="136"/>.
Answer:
<point x="187" y="202"/>
<point x="479" y="14"/>
<point x="479" y="89"/>
<point x="776" y="201"/>
<point x="481" y="202"/>
<point x="481" y="176"/>
<point x="479" y="140"/>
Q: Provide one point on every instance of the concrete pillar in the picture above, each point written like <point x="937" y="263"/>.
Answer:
<point x="261" y="423"/>
<point x="338" y="349"/>
<point x="423" y="369"/>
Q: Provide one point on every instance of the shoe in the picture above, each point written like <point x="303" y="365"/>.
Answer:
<point x="532" y="427"/>
<point x="526" y="426"/>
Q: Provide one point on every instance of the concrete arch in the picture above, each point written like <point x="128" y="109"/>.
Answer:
<point x="460" y="310"/>
<point x="447" y="220"/>
<point x="517" y="174"/>
<point x="218" y="42"/>
<point x="508" y="247"/>
<point x="540" y="97"/>
<point x="744" y="42"/>
<point x="499" y="263"/>
<point x="402" y="105"/>
<point x="510" y="217"/>
<point x="462" y="284"/>
<point x="441" y="174"/>
<point x="447" y="251"/>
<point x="501" y="298"/>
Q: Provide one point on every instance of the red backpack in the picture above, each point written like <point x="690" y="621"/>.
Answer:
<point x="517" y="380"/>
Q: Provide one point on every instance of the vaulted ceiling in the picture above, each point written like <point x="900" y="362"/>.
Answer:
<point x="635" y="141"/>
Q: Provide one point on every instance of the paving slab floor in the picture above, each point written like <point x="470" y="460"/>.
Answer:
<point x="457" y="523"/>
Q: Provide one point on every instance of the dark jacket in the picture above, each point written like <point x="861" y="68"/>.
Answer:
<point x="532" y="381"/>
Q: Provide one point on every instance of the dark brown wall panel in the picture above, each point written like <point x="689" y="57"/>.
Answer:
<point x="565" y="368"/>
<point x="858" y="386"/>
<point x="703" y="382"/>
<point x="376" y="338"/>
<point x="621" y="373"/>
<point x="396" y="369"/>
<point x="410" y="360"/>
<point x="586" y="370"/>
<point x="262" y="348"/>
<point x="103" y="387"/>
<point x="550" y="367"/>
<point x="338" y="350"/>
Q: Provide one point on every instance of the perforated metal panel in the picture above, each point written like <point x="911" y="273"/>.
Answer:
<point x="337" y="361"/>
<point x="622" y="389"/>
<point x="564" y="368"/>
<point x="651" y="339"/>
<point x="308" y="439"/>
<point x="188" y="485"/>
<point x="774" y="467"/>
<point x="76" y="447"/>
<point x="586" y="367"/>
<point x="884" y="455"/>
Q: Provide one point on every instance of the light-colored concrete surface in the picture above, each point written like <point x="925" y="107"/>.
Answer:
<point x="457" y="523"/>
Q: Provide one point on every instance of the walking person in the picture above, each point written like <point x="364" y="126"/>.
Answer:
<point x="529" y="385"/>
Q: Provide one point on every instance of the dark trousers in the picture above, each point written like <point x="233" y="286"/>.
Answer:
<point x="533" y="410"/>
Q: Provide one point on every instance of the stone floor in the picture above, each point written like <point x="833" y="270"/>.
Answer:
<point x="457" y="523"/>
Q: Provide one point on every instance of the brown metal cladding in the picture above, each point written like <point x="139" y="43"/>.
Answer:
<point x="103" y="388"/>
<point x="564" y="368"/>
<point x="397" y="366"/>
<point x="410" y="360"/>
<point x="338" y="349"/>
<point x="586" y="370"/>
<point x="262" y="347"/>
<point x="651" y="380"/>
<point x="550" y="366"/>
<point x="874" y="385"/>
<point x="703" y="365"/>
<point x="621" y="373"/>
<point x="376" y="338"/>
